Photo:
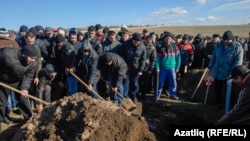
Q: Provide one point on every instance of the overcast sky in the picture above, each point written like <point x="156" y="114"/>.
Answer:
<point x="83" y="13"/>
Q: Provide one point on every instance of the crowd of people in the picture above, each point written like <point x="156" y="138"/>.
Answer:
<point x="40" y="61"/>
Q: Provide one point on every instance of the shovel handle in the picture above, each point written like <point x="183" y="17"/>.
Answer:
<point x="203" y="75"/>
<point x="73" y="74"/>
<point x="18" y="91"/>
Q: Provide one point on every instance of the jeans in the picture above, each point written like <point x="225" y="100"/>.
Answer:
<point x="133" y="84"/>
<point x="125" y="84"/>
<point x="12" y="102"/>
<point x="71" y="85"/>
<point x="115" y="96"/>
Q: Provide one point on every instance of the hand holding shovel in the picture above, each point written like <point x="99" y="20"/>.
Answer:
<point x="208" y="84"/>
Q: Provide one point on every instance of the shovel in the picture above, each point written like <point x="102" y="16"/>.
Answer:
<point x="228" y="95"/>
<point x="197" y="87"/>
<point x="208" y="83"/>
<point x="84" y="84"/>
<point x="18" y="91"/>
<point x="127" y="103"/>
<point x="157" y="84"/>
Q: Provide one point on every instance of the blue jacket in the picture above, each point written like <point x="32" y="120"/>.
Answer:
<point x="224" y="59"/>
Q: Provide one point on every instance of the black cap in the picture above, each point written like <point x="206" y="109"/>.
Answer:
<point x="105" y="29"/>
<point x="239" y="71"/>
<point x="30" y="50"/>
<point x="186" y="37"/>
<point x="98" y="26"/>
<point x="33" y="30"/>
<point x="73" y="31"/>
<point x="60" y="38"/>
<point x="137" y="36"/>
<point x="39" y="27"/>
<point x="228" y="35"/>
<point x="145" y="30"/>
<point x="107" y="57"/>
<point x="179" y="36"/>
<point x="80" y="34"/>
<point x="216" y="35"/>
<point x="168" y="34"/>
<point x="48" y="30"/>
<point x="23" y="28"/>
<point x="50" y="69"/>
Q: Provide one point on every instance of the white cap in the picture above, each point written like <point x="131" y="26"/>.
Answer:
<point x="124" y="27"/>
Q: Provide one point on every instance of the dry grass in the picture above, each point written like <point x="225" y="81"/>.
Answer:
<point x="238" y="30"/>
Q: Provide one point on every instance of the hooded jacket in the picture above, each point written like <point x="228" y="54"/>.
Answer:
<point x="87" y="65"/>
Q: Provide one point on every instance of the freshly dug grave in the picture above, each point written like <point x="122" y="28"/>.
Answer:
<point x="80" y="117"/>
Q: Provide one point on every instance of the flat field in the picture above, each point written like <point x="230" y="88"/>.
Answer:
<point x="238" y="30"/>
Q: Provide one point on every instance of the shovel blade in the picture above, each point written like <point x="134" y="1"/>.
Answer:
<point x="128" y="104"/>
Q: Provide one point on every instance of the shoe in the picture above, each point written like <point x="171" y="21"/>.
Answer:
<point x="167" y="94"/>
<point x="135" y="100"/>
<point x="174" y="97"/>
<point x="17" y="111"/>
<point x="10" y="112"/>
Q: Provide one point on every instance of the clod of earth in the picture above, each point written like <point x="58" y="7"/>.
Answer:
<point x="80" y="117"/>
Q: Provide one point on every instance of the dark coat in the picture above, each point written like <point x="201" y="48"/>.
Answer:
<point x="65" y="57"/>
<point x="117" y="69"/>
<point x="111" y="47"/>
<point x="150" y="58"/>
<point x="96" y="44"/>
<point x="135" y="57"/>
<point x="13" y="69"/>
<point x="87" y="66"/>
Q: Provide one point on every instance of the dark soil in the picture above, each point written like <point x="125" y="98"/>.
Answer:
<point x="80" y="117"/>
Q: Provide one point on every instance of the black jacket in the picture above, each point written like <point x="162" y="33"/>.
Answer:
<point x="13" y="69"/>
<point x="150" y="57"/>
<point x="87" y="66"/>
<point x="96" y="44"/>
<point x="64" y="57"/>
<point x="111" y="47"/>
<point x="135" y="57"/>
<point x="117" y="69"/>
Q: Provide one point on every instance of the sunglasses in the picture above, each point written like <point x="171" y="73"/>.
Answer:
<point x="85" y="50"/>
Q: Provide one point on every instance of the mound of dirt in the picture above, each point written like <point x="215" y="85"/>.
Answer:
<point x="80" y="117"/>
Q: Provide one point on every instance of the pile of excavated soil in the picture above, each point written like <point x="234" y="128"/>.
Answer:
<point x="80" y="117"/>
